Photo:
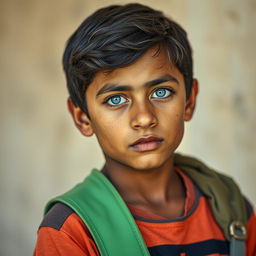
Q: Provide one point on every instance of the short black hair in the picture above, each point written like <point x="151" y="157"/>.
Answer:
<point x="116" y="36"/>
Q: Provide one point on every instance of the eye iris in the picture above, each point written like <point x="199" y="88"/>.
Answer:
<point x="116" y="100"/>
<point x="160" y="92"/>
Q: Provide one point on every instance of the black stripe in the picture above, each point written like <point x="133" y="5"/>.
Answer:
<point x="196" y="249"/>
<point x="56" y="217"/>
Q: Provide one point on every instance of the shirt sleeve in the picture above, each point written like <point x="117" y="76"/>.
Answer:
<point x="251" y="229"/>
<point x="64" y="235"/>
<point x="251" y="241"/>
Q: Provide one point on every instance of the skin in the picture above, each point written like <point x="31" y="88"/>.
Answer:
<point x="144" y="175"/>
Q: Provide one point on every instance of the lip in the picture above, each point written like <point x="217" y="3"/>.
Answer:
<point x="148" y="143"/>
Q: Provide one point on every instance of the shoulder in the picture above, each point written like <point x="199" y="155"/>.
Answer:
<point x="62" y="230"/>
<point x="56" y="216"/>
<point x="63" y="219"/>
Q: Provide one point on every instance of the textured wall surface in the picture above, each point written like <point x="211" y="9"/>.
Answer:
<point x="42" y="154"/>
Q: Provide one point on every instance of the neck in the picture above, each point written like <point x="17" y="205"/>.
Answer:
<point x="156" y="186"/>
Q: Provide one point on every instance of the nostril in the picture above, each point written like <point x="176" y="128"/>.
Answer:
<point x="153" y="124"/>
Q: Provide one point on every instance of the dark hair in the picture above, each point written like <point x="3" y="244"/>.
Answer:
<point x="116" y="36"/>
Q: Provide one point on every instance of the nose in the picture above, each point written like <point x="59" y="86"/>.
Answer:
<point x="143" y="116"/>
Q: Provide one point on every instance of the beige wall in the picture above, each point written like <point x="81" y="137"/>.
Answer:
<point x="41" y="152"/>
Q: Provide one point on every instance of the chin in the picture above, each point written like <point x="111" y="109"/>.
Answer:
<point x="148" y="164"/>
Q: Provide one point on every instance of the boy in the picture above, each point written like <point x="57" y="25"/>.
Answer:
<point x="130" y="79"/>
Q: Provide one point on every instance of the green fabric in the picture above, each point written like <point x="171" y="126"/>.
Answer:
<point x="106" y="215"/>
<point x="225" y="198"/>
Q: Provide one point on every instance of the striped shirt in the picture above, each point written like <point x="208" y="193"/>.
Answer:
<point x="196" y="233"/>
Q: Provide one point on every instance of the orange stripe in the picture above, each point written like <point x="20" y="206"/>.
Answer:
<point x="198" y="227"/>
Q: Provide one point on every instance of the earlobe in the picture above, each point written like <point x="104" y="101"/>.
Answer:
<point x="191" y="101"/>
<point x="81" y="120"/>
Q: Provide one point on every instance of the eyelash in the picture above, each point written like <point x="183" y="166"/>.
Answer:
<point x="170" y="91"/>
<point x="111" y="97"/>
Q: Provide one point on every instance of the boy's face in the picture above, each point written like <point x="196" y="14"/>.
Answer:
<point x="138" y="112"/>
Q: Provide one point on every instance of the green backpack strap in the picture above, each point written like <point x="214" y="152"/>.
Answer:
<point x="226" y="200"/>
<point x="106" y="215"/>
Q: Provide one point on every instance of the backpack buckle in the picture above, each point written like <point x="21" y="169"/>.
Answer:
<point x="238" y="230"/>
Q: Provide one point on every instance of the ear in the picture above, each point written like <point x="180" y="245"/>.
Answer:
<point x="81" y="120"/>
<point x="191" y="101"/>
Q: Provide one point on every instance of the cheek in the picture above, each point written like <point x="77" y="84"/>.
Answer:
<point x="176" y="130"/>
<point x="174" y="116"/>
<point x="177" y="124"/>
<point x="108" y="131"/>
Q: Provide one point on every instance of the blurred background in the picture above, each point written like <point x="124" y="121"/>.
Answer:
<point x="42" y="154"/>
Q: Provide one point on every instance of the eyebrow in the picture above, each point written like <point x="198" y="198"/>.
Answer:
<point x="109" y="87"/>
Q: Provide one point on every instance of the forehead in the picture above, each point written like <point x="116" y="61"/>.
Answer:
<point x="153" y="64"/>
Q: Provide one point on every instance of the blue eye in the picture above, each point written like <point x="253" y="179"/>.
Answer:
<point x="116" y="100"/>
<point x="161" y="93"/>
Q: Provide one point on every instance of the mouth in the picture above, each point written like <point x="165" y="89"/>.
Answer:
<point x="147" y="144"/>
